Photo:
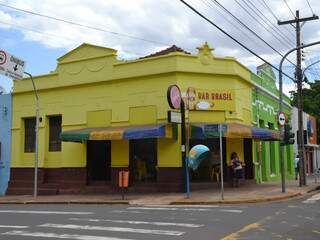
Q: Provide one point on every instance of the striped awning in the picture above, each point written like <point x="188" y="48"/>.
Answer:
<point x="232" y="130"/>
<point x="118" y="133"/>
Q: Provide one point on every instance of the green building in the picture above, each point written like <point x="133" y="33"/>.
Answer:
<point x="265" y="109"/>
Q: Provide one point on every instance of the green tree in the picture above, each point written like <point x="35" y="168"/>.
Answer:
<point x="311" y="101"/>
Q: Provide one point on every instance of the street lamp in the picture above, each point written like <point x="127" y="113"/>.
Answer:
<point x="35" y="192"/>
<point x="304" y="70"/>
<point x="300" y="121"/>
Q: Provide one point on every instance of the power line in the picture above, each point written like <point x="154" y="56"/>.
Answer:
<point x="227" y="34"/>
<point x="85" y="26"/>
<point x="37" y="31"/>
<point x="214" y="7"/>
<point x="55" y="35"/>
<point x="266" y="20"/>
<point x="210" y="5"/>
<point x="310" y="7"/>
<point x="245" y="26"/>
<point x="253" y="17"/>
<point x="289" y="8"/>
<point x="264" y="3"/>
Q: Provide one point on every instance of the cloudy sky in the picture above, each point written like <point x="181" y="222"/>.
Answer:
<point x="137" y="28"/>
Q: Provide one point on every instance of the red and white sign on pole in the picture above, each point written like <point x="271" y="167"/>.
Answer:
<point x="11" y="66"/>
<point x="282" y="119"/>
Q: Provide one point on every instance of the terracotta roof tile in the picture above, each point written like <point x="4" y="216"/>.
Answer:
<point x="166" y="51"/>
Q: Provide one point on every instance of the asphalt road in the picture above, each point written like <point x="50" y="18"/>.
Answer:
<point x="289" y="220"/>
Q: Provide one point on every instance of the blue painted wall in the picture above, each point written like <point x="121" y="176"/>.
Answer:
<point x="5" y="139"/>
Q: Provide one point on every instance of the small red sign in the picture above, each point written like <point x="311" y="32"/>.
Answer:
<point x="174" y="96"/>
<point x="3" y="57"/>
<point x="281" y="118"/>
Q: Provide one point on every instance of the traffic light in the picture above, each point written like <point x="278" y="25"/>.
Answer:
<point x="288" y="137"/>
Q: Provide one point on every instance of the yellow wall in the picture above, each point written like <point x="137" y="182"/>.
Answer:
<point x="92" y="88"/>
<point x="120" y="153"/>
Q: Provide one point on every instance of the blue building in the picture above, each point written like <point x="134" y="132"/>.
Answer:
<point x="5" y="140"/>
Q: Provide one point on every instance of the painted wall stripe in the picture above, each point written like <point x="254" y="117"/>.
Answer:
<point x="45" y="212"/>
<point x="60" y="236"/>
<point x="112" y="229"/>
<point x="188" y="225"/>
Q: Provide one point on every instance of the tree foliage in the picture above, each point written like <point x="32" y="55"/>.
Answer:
<point x="311" y="101"/>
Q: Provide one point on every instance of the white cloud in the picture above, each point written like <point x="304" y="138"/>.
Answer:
<point x="287" y="87"/>
<point x="166" y="22"/>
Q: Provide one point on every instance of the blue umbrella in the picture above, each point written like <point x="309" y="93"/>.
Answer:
<point x="196" y="155"/>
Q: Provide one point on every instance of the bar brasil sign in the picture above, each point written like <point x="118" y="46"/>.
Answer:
<point x="199" y="99"/>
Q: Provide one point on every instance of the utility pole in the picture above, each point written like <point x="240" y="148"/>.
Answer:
<point x="297" y="21"/>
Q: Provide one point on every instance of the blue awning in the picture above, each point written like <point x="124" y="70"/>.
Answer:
<point x="165" y="130"/>
<point x="232" y="130"/>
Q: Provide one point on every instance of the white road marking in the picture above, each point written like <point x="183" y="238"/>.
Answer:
<point x="190" y="225"/>
<point x="230" y="210"/>
<point x="45" y="212"/>
<point x="313" y="199"/>
<point x="113" y="229"/>
<point x="11" y="226"/>
<point x="60" y="236"/>
<point x="184" y="209"/>
<point x="124" y="211"/>
<point x="168" y="209"/>
<point x="183" y="206"/>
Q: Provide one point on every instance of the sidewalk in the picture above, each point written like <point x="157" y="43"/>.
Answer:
<point x="247" y="193"/>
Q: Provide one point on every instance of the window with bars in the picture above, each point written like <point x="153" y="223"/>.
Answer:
<point x="54" y="133"/>
<point x="29" y="134"/>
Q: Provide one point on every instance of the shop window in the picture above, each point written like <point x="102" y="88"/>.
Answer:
<point x="54" y="133"/>
<point x="143" y="160"/>
<point x="29" y="134"/>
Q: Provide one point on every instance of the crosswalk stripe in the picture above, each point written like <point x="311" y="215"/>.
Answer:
<point x="313" y="199"/>
<point x="45" y="212"/>
<point x="188" y="225"/>
<point x="113" y="229"/>
<point x="125" y="211"/>
<point x="12" y="226"/>
<point x="182" y="206"/>
<point x="230" y="210"/>
<point x="168" y="209"/>
<point x="185" y="209"/>
<point x="60" y="236"/>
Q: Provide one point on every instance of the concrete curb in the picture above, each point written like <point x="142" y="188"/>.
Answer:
<point x="179" y="202"/>
<point x="237" y="201"/>
<point x="247" y="201"/>
<point x="116" y="202"/>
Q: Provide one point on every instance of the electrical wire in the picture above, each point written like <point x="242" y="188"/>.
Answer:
<point x="245" y="26"/>
<point x="216" y="9"/>
<point x="289" y="8"/>
<point x="210" y="5"/>
<point x="55" y="36"/>
<point x="253" y="17"/>
<point x="310" y="7"/>
<point x="266" y="20"/>
<point x="85" y="26"/>
<point x="264" y="3"/>
<point x="234" y="39"/>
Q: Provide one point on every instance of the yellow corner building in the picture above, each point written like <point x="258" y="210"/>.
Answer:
<point x="101" y="115"/>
